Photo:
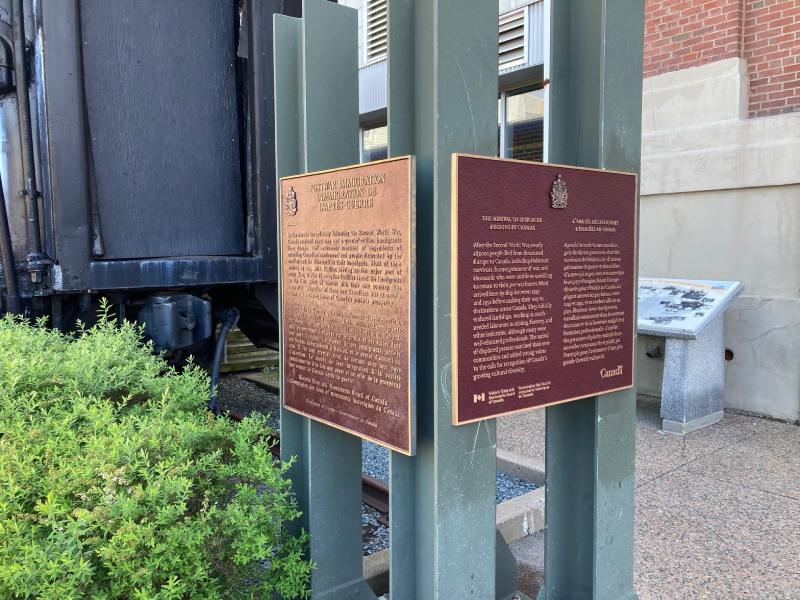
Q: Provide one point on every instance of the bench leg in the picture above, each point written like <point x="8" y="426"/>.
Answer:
<point x="693" y="392"/>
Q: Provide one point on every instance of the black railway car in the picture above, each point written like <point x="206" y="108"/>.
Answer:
<point x="137" y="162"/>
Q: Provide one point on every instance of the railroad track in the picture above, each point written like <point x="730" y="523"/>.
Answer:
<point x="374" y="492"/>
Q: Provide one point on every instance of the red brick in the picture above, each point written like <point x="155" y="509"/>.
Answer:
<point x="780" y="21"/>
<point x="777" y="55"/>
<point x="772" y="50"/>
<point x="782" y="78"/>
<point x="773" y="104"/>
<point x="792" y="85"/>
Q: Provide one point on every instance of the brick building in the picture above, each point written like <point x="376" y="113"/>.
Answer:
<point x="680" y="34"/>
<point x="721" y="179"/>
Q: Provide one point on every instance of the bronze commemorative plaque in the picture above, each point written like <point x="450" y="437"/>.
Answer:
<point x="544" y="284"/>
<point x="347" y="284"/>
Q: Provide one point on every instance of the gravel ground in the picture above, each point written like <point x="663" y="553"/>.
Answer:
<point x="509" y="487"/>
<point x="375" y="461"/>
<point x="245" y="397"/>
<point x="376" y="535"/>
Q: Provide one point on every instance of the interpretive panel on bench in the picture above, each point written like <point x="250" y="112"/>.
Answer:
<point x="682" y="308"/>
<point x="544" y="284"/>
<point x="347" y="280"/>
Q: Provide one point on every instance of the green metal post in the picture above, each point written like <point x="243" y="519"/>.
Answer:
<point x="316" y="128"/>
<point x="400" y="125"/>
<point x="442" y="98"/>
<point x="595" y="121"/>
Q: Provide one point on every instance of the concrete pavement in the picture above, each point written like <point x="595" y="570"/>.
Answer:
<point x="717" y="510"/>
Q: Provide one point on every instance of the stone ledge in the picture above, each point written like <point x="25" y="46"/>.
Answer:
<point x="751" y="165"/>
<point x="520" y="466"/>
<point x="376" y="571"/>
<point x="521" y="516"/>
<point x="516" y="518"/>
<point x="712" y="92"/>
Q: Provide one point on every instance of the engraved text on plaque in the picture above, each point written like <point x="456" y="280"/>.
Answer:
<point x="543" y="269"/>
<point x="347" y="279"/>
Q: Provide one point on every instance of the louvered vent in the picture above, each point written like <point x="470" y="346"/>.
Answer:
<point x="512" y="39"/>
<point x="376" y="30"/>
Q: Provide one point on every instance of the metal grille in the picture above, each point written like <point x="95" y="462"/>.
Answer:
<point x="376" y="30"/>
<point x="512" y="39"/>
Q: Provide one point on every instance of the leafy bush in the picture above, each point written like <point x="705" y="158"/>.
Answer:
<point x="115" y="482"/>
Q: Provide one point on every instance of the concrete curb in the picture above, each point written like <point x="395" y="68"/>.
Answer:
<point x="516" y="518"/>
<point x="261" y="379"/>
<point x="521" y="516"/>
<point x="376" y="571"/>
<point x="520" y="466"/>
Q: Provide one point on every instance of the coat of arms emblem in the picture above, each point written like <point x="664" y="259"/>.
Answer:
<point x="558" y="193"/>
<point x="291" y="202"/>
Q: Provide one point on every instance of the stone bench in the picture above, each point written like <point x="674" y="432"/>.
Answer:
<point x="689" y="314"/>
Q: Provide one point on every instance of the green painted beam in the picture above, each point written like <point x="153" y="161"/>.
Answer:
<point x="595" y="121"/>
<point x="288" y="160"/>
<point x="402" y="469"/>
<point x="316" y="116"/>
<point x="442" y="98"/>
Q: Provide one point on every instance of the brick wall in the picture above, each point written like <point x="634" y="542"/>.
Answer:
<point x="687" y="33"/>
<point x="772" y="50"/>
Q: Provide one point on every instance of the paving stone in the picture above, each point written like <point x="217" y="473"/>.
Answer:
<point x="529" y="552"/>
<point x="701" y="538"/>
<point x="523" y="433"/>
<point x="770" y="463"/>
<point x="717" y="510"/>
<point x="746" y="522"/>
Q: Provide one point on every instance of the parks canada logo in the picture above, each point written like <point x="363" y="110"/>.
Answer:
<point x="291" y="202"/>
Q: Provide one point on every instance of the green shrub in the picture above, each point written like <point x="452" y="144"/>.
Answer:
<point x="115" y="482"/>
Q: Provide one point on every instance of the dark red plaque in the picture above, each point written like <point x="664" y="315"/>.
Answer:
<point x="544" y="273"/>
<point x="347" y="285"/>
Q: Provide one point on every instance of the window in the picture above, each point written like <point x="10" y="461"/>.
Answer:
<point x="374" y="142"/>
<point x="521" y="125"/>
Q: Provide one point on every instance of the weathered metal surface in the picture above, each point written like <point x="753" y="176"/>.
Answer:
<point x="316" y="107"/>
<point x="544" y="284"/>
<point x="176" y="321"/>
<point x="262" y="129"/>
<point x="164" y="142"/>
<point x="62" y="131"/>
<point x="375" y="493"/>
<point x="191" y="228"/>
<point x="347" y="279"/>
<point x="161" y="273"/>
<point x="400" y="91"/>
<point x="595" y="121"/>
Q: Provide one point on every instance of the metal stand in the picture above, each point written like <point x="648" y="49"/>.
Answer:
<point x="443" y="99"/>
<point x="316" y="128"/>
<point x="595" y="121"/>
